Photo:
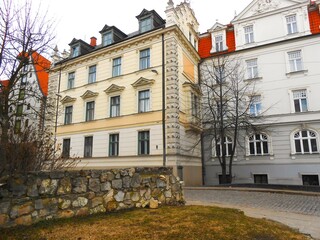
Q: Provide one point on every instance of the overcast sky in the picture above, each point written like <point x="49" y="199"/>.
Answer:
<point x="84" y="19"/>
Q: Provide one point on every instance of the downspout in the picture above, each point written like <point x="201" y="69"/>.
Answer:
<point x="203" y="169"/>
<point x="164" y="153"/>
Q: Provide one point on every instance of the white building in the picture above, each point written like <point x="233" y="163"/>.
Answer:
<point x="278" y="43"/>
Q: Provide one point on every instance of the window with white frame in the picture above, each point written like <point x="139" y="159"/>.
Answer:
<point x="292" y="24"/>
<point x="71" y="77"/>
<point x="144" y="101"/>
<point x="145" y="24"/>
<point x="114" y="144"/>
<point x="107" y="39"/>
<point x="92" y="74"/>
<point x="88" y="146"/>
<point x="258" y="145"/>
<point x="68" y="115"/>
<point x="227" y="147"/>
<point x="75" y="51"/>
<point x="116" y="67"/>
<point x="89" y="111"/>
<point x="144" y="59"/>
<point x="194" y="105"/>
<point x="295" y="61"/>
<point x="305" y="141"/>
<point x="115" y="106"/>
<point x="219" y="43"/>
<point x="255" y="105"/>
<point x="252" y="68"/>
<point x="143" y="142"/>
<point x="248" y="34"/>
<point x="300" y="100"/>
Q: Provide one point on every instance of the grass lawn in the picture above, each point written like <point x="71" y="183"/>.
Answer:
<point x="174" y="223"/>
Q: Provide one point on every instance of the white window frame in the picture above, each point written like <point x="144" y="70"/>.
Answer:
<point x="148" y="107"/>
<point x="297" y="136"/>
<point x="146" y="141"/>
<point x="70" y="115"/>
<point x="145" y="60"/>
<point x="296" y="96"/>
<point x="255" y="105"/>
<point x="295" y="61"/>
<point x="291" y="24"/>
<point x="116" y="66"/>
<point x="86" y="109"/>
<point x="252" y="68"/>
<point x="92" y="75"/>
<point x="264" y="139"/>
<point x="112" y="144"/>
<point x="117" y="106"/>
<point x="214" y="35"/>
<point x="84" y="147"/>
<point x="248" y="34"/>
<point x="228" y="141"/>
<point x="70" y="86"/>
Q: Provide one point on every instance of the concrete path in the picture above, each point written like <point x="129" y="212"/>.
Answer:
<point x="298" y="210"/>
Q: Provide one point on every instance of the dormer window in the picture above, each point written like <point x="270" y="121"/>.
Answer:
<point x="75" y="51"/>
<point x="107" y="39"/>
<point x="145" y="24"/>
<point x="219" y="43"/>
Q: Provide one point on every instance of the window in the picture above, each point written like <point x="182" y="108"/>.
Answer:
<point x="17" y="126"/>
<point x="291" y="24"/>
<point x="248" y="33"/>
<point x="258" y="144"/>
<point x="260" y="178"/>
<point x="70" y="80"/>
<point x="144" y="101"/>
<point x="113" y="144"/>
<point x="295" y="61"/>
<point x="115" y="106"/>
<point x="88" y="144"/>
<point x="252" y="68"/>
<point x="227" y="176"/>
<point x="194" y="105"/>
<point x="305" y="141"/>
<point x="107" y="39"/>
<point x="68" y="115"/>
<point x="66" y="148"/>
<point x="75" y="51"/>
<point x="220" y="74"/>
<point x="24" y="79"/>
<point x="300" y="100"/>
<point x="22" y="94"/>
<point x="145" y="24"/>
<point x="143" y="143"/>
<point x="219" y="43"/>
<point x="190" y="36"/>
<point x="90" y="111"/>
<point x="310" y="180"/>
<point x="145" y="59"/>
<point x="228" y="147"/>
<point x="19" y="110"/>
<point x="255" y="106"/>
<point x="92" y="74"/>
<point x="116" y="67"/>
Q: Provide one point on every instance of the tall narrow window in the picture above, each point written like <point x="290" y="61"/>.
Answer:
<point x="88" y="146"/>
<point x="143" y="142"/>
<point x="219" y="74"/>
<point x="90" y="111"/>
<point x="107" y="39"/>
<point x="75" y="51"/>
<point x="66" y="148"/>
<point x="258" y="144"/>
<point x="68" y="115"/>
<point x="116" y="67"/>
<point x="145" y="59"/>
<point x="291" y="24"/>
<point x="70" y="80"/>
<point x="255" y="105"/>
<point x="300" y="100"/>
<point x="144" y="101"/>
<point x="305" y="142"/>
<point x="219" y="43"/>
<point x="145" y="24"/>
<point x="22" y="94"/>
<point x="252" y="68"/>
<point x="19" y="110"/>
<point x="113" y="144"/>
<point x="194" y="105"/>
<point x="228" y="147"/>
<point x="92" y="74"/>
<point x="295" y="61"/>
<point x="115" y="106"/>
<point x="248" y="33"/>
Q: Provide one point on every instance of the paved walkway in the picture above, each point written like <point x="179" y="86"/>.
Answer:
<point x="297" y="210"/>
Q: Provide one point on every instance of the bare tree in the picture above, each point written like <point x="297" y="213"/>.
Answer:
<point x="228" y="108"/>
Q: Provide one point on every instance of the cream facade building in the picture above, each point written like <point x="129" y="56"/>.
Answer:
<point x="132" y="99"/>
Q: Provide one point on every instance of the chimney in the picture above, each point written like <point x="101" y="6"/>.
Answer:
<point x="93" y="41"/>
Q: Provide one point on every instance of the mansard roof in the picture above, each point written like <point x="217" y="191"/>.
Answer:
<point x="116" y="30"/>
<point x="158" y="20"/>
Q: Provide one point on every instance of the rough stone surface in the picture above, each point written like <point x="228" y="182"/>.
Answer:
<point x="64" y="187"/>
<point x="153" y="203"/>
<point x="106" y="186"/>
<point x="94" y="184"/>
<point x="82" y="211"/>
<point x="119" y="196"/>
<point x="117" y="184"/>
<point x="48" y="186"/>
<point x="80" y="202"/>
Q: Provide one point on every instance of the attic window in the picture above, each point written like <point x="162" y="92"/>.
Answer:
<point x="107" y="39"/>
<point x="75" y="51"/>
<point x="145" y="24"/>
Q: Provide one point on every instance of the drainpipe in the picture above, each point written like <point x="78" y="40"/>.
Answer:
<point x="164" y="153"/>
<point x="202" y="135"/>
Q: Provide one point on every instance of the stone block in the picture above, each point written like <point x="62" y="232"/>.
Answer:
<point x="108" y="197"/>
<point x="25" y="209"/>
<point x="135" y="180"/>
<point x="117" y="184"/>
<point x="4" y="219"/>
<point x="95" y="173"/>
<point x="111" y="206"/>
<point x="135" y="197"/>
<point x="82" y="211"/>
<point x="80" y="202"/>
<point x="79" y="185"/>
<point x="65" y="214"/>
<point x="17" y="186"/>
<point x="4" y="207"/>
<point x="24" y="220"/>
<point x="168" y="194"/>
<point x="106" y="186"/>
<point x="161" y="183"/>
<point x="48" y="186"/>
<point x="154" y="204"/>
<point x="96" y="201"/>
<point x="119" y="196"/>
<point x="94" y="184"/>
<point x="38" y="204"/>
<point x="32" y="190"/>
<point x="64" y="203"/>
<point x="64" y="186"/>
<point x="126" y="182"/>
<point x="97" y="209"/>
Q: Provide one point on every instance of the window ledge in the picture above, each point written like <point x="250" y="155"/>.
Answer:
<point x="304" y="154"/>
<point x="253" y="79"/>
<point x="289" y="74"/>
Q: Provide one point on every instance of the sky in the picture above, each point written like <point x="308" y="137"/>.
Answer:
<point x="84" y="19"/>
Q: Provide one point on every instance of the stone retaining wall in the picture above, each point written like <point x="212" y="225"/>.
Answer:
<point x="47" y="195"/>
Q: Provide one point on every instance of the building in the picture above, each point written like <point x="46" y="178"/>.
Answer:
<point x="278" y="43"/>
<point x="131" y="99"/>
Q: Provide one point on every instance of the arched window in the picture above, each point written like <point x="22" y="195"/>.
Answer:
<point x="228" y="150"/>
<point x="305" y="141"/>
<point x="258" y="144"/>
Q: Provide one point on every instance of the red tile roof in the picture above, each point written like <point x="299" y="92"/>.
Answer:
<point x="205" y="45"/>
<point x="314" y="20"/>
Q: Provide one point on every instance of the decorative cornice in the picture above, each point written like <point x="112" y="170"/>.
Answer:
<point x="193" y="86"/>
<point x="89" y="94"/>
<point x="67" y="99"/>
<point x="114" y="88"/>
<point x="142" y="82"/>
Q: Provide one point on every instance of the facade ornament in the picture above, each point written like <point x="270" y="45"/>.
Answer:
<point x="265" y="5"/>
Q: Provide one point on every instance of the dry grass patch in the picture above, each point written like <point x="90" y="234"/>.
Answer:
<point x="188" y="222"/>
